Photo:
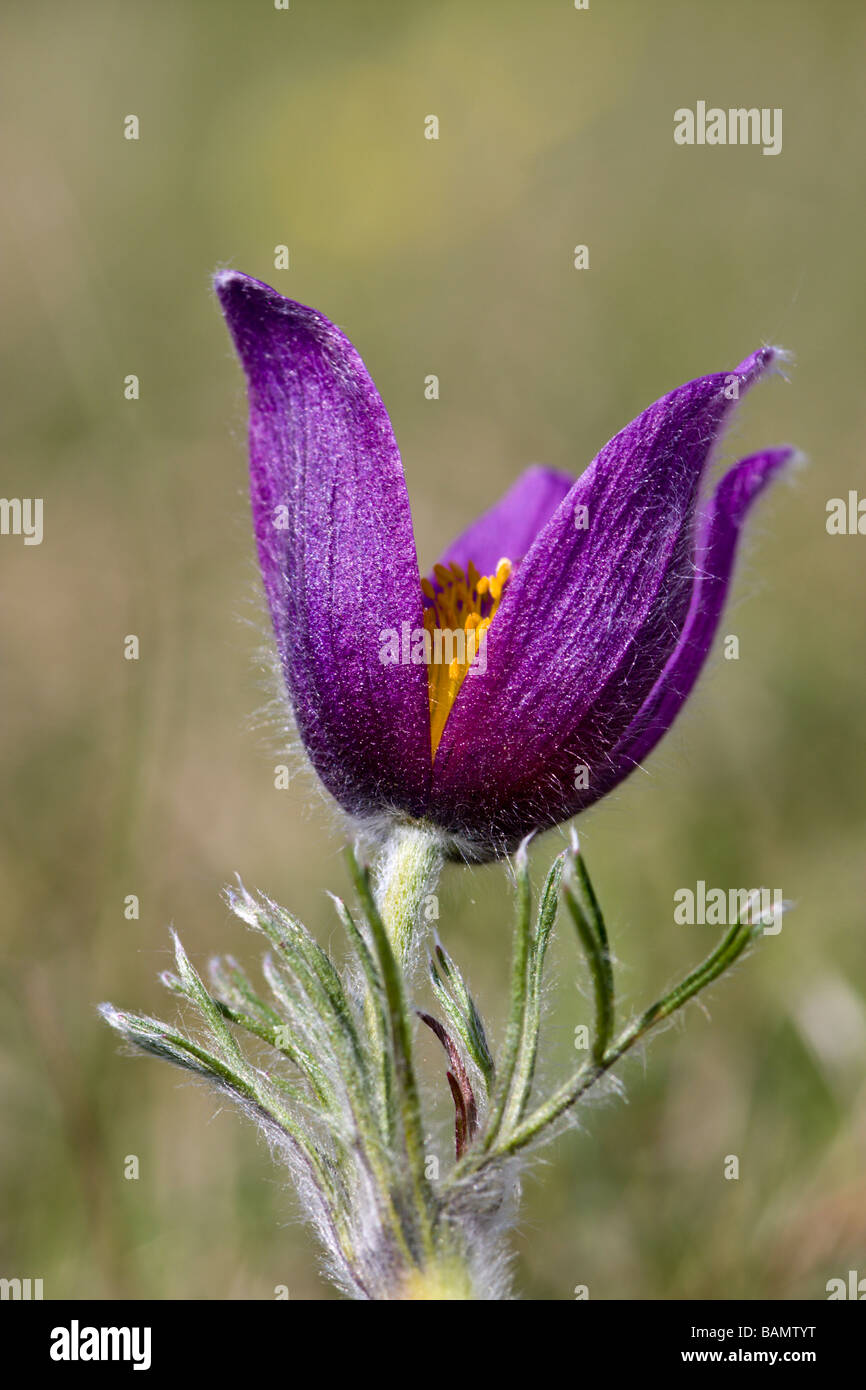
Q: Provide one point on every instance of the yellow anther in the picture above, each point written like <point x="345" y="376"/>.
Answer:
<point x="461" y="610"/>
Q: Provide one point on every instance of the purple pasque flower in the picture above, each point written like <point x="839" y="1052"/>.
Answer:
<point x="588" y="606"/>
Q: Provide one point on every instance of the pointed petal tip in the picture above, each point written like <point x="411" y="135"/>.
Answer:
<point x="768" y="461"/>
<point x="763" y="360"/>
<point x="740" y="487"/>
<point x="246" y="300"/>
<point x="243" y="301"/>
<point x="227" y="280"/>
<point x="796" y="461"/>
<point x="236" y="291"/>
<point x="263" y="323"/>
<point x="227" y="284"/>
<point x="225" y="275"/>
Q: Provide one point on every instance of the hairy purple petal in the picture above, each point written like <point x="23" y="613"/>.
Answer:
<point x="717" y="549"/>
<point x="335" y="543"/>
<point x="510" y="526"/>
<point x="587" y="623"/>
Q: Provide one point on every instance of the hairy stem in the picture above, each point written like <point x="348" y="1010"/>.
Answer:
<point x="406" y="875"/>
<point x="407" y="1095"/>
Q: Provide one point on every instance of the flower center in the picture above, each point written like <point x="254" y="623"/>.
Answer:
<point x="460" y="612"/>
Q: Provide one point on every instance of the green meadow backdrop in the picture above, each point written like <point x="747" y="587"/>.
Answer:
<point x="453" y="257"/>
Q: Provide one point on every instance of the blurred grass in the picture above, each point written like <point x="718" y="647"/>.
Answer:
<point x="156" y="778"/>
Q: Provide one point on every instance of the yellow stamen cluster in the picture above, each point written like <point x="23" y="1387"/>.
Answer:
<point x="464" y="603"/>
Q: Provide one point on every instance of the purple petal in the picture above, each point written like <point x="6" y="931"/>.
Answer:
<point x="510" y="526"/>
<point x="335" y="543"/>
<point x="587" y="623"/>
<point x="717" y="549"/>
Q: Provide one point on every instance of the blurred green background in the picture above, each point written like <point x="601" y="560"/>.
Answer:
<point x="155" y="777"/>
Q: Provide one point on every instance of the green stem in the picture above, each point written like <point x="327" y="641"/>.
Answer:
<point x="517" y="1009"/>
<point x="406" y="875"/>
<point x="595" y="948"/>
<point x="524" y="1071"/>
<point x="406" y="1085"/>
